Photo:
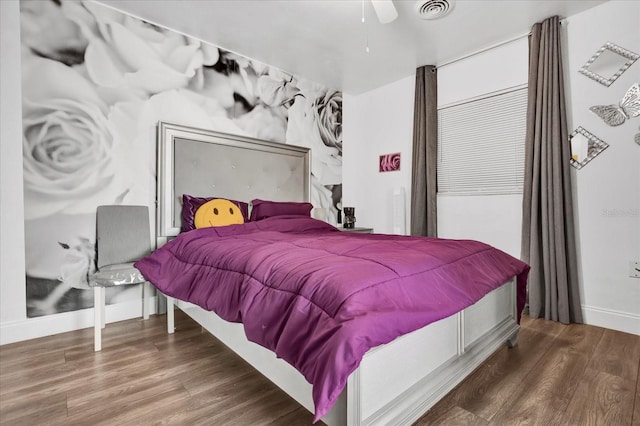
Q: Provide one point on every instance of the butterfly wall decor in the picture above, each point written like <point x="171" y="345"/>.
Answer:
<point x="637" y="137"/>
<point x="615" y="115"/>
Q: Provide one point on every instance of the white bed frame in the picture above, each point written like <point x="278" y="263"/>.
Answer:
<point x="395" y="383"/>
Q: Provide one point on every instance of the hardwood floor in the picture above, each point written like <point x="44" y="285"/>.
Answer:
<point x="557" y="375"/>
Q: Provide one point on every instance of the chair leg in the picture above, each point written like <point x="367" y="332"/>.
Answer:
<point x="98" y="313"/>
<point x="170" y="316"/>
<point x="103" y="305"/>
<point x="146" y="296"/>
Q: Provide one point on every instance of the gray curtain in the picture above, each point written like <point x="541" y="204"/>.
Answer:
<point x="425" y="142"/>
<point x="548" y="236"/>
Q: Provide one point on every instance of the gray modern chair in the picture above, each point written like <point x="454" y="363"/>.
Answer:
<point x="123" y="236"/>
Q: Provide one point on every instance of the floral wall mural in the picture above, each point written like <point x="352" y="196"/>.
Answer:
<point x="95" y="83"/>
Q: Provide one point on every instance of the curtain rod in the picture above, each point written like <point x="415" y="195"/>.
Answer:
<point x="477" y="52"/>
<point x="493" y="46"/>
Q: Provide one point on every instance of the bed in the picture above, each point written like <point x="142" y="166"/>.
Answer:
<point x="390" y="367"/>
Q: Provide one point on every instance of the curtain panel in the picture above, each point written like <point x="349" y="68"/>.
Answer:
<point x="425" y="152"/>
<point x="548" y="235"/>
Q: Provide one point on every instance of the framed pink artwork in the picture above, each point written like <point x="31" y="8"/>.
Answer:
<point x="389" y="162"/>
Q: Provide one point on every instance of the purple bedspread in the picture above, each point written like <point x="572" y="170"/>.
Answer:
<point x="320" y="298"/>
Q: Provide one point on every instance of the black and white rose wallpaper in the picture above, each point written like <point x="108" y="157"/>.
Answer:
<point x="95" y="82"/>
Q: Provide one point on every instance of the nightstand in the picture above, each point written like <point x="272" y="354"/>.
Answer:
<point x="357" y="230"/>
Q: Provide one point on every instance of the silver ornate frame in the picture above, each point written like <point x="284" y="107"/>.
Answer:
<point x="596" y="146"/>
<point x="607" y="81"/>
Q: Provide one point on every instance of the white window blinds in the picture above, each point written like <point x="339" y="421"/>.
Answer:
<point x="481" y="144"/>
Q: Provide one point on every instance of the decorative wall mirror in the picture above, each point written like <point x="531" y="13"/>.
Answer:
<point x="584" y="147"/>
<point x="608" y="63"/>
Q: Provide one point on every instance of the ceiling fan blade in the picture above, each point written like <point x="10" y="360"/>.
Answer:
<point x="385" y="10"/>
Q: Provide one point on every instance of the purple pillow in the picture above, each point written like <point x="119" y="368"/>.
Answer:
<point x="190" y="204"/>
<point x="261" y="209"/>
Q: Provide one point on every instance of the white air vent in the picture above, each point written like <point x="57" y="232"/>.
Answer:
<point x="434" y="9"/>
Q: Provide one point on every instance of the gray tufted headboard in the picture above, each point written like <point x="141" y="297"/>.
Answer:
<point x="204" y="163"/>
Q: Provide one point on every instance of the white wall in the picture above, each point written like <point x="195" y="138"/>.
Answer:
<point x="608" y="188"/>
<point x="375" y="123"/>
<point x="381" y="121"/>
<point x="12" y="281"/>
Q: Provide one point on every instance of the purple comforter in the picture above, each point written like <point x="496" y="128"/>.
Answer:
<point x="320" y="298"/>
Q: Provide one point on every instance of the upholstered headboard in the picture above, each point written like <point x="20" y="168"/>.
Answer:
<point x="204" y="163"/>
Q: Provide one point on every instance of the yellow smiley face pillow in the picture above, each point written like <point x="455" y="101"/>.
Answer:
<point x="217" y="212"/>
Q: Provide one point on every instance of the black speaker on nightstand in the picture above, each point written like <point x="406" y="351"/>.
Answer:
<point x="349" y="217"/>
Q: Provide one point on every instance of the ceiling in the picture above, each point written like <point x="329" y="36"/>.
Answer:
<point x="325" y="40"/>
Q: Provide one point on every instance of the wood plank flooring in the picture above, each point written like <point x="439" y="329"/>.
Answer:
<point x="557" y="375"/>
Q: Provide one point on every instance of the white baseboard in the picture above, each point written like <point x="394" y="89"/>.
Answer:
<point x="32" y="328"/>
<point x="615" y="320"/>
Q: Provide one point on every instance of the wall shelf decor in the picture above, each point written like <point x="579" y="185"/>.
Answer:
<point x="608" y="63"/>
<point x="585" y="146"/>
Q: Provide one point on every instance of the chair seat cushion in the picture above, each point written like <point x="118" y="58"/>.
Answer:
<point x="120" y="274"/>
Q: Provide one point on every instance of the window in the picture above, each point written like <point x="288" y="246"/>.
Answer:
<point x="481" y="144"/>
